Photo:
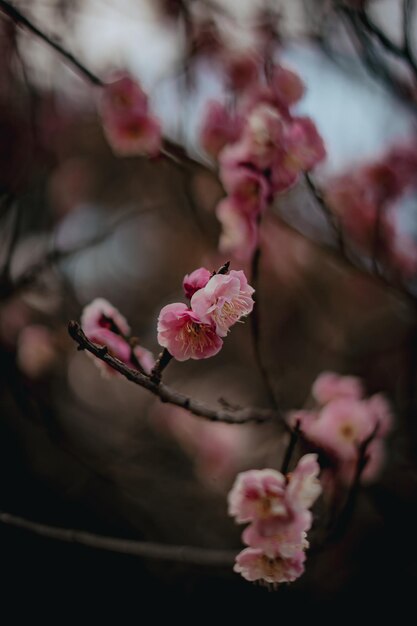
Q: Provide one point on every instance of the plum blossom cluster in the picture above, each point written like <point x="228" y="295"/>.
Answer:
<point x="277" y="508"/>
<point x="366" y="202"/>
<point x="130" y="128"/>
<point x="342" y="420"/>
<point x="104" y="325"/>
<point x="262" y="149"/>
<point x="217" y="302"/>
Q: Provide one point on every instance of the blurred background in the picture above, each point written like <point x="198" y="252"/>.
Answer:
<point x="81" y="451"/>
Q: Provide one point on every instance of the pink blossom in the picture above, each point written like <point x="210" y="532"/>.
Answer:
<point x="219" y="128"/>
<point x="145" y="358"/>
<point x="223" y="301"/>
<point x="301" y="149"/>
<point x="381" y="414"/>
<point x="101" y="314"/>
<point x="129" y="127"/>
<point x="239" y="235"/>
<point x="263" y="134"/>
<point x="195" y="281"/>
<point x="287" y="86"/>
<point x="343" y="424"/>
<point x="185" y="335"/>
<point x="279" y="536"/>
<point x="258" y="494"/>
<point x="104" y="325"/>
<point x="303" y="485"/>
<point x="329" y="386"/>
<point x="247" y="187"/>
<point x="253" y="565"/>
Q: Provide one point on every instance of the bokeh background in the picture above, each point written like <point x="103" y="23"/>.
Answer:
<point x="81" y="451"/>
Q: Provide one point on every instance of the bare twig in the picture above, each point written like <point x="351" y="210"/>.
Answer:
<point x="346" y="513"/>
<point x="28" y="277"/>
<point x="166" y="394"/>
<point x="295" y="433"/>
<point x="24" y="22"/>
<point x="181" y="554"/>
<point x="327" y="212"/>
<point x="163" y="360"/>
<point x="256" y="325"/>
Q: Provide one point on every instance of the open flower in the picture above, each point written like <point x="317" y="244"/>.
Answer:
<point x="185" y="335"/>
<point x="223" y="301"/>
<point x="101" y="314"/>
<point x="278" y="508"/>
<point x="258" y="494"/>
<point x="253" y="565"/>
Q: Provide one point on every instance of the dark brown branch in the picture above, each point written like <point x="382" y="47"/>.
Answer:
<point x="181" y="554"/>
<point x="256" y="325"/>
<point x="348" y="509"/>
<point x="163" y="360"/>
<point x="166" y="394"/>
<point x="290" y="448"/>
<point x="327" y="212"/>
<point x="24" y="22"/>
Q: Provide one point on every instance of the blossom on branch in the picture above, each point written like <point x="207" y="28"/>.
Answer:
<point x="196" y="332"/>
<point x="224" y="301"/>
<point x="277" y="508"/>
<point x="342" y="421"/>
<point x="104" y="325"/>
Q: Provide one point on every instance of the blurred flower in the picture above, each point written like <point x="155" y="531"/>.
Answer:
<point x="239" y="234"/>
<point x="36" y="351"/>
<point x="329" y="386"/>
<point x="286" y="85"/>
<point x="342" y="421"/>
<point x="129" y="127"/>
<point x="219" y="128"/>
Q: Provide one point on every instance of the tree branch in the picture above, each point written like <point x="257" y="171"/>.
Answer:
<point x="148" y="550"/>
<point x="24" y="22"/>
<point x="168" y="395"/>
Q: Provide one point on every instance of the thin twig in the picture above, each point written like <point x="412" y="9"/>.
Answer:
<point x="14" y="236"/>
<point x="295" y="433"/>
<point x="29" y="276"/>
<point x="170" y="396"/>
<point x="158" y="551"/>
<point x="345" y="515"/>
<point x="24" y="22"/>
<point x="329" y="215"/>
<point x="256" y="325"/>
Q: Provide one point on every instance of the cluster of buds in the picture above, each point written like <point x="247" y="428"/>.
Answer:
<point x="130" y="128"/>
<point x="262" y="149"/>
<point x="342" y="421"/>
<point x="278" y="509"/>
<point x="365" y="201"/>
